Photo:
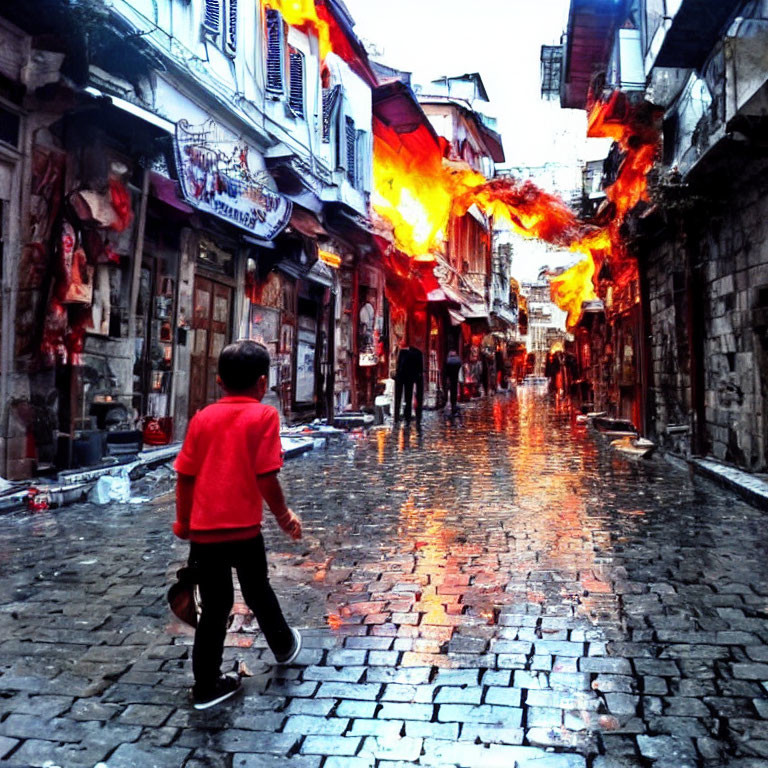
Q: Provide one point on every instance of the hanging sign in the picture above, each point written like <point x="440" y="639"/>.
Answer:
<point x="215" y="178"/>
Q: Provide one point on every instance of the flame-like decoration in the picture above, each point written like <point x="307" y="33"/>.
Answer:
<point x="416" y="190"/>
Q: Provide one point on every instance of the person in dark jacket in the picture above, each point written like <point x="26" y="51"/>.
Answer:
<point x="451" y="371"/>
<point x="409" y="373"/>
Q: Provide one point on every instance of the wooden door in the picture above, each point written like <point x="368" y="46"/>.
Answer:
<point x="211" y="322"/>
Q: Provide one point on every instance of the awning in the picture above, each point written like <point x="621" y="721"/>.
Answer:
<point x="456" y="317"/>
<point x="168" y="191"/>
<point x="134" y="109"/>
<point x="505" y="316"/>
<point x="436" y="296"/>
<point x="475" y="311"/>
<point x="306" y="223"/>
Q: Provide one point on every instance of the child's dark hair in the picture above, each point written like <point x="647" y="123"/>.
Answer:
<point x="242" y="364"/>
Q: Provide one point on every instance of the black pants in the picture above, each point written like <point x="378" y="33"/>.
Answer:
<point x="404" y="392"/>
<point x="214" y="563"/>
<point x="453" y="390"/>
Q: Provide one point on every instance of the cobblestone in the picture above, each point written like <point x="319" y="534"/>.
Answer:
<point x="474" y="595"/>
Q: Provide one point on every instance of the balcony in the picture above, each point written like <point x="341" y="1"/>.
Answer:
<point x="731" y="94"/>
<point x="589" y="40"/>
<point x="692" y="32"/>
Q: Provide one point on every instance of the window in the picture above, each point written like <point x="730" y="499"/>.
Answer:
<point x="220" y="23"/>
<point x="351" y="139"/>
<point x="551" y="71"/>
<point x="275" y="52"/>
<point x="212" y="16"/>
<point x="296" y="96"/>
<point x="330" y="100"/>
<point x="230" y="40"/>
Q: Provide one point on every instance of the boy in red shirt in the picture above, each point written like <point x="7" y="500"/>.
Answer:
<point x="227" y="465"/>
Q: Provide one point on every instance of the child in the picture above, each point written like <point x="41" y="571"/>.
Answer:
<point x="227" y="465"/>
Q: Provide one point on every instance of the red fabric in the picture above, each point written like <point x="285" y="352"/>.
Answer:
<point x="228" y="445"/>
<point x="121" y="202"/>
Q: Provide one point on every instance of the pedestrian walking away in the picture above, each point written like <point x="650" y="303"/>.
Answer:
<point x="452" y="369"/>
<point x="409" y="375"/>
<point x="228" y="464"/>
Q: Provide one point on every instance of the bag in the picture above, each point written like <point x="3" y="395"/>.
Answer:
<point x="184" y="596"/>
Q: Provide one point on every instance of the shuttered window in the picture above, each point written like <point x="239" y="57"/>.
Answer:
<point x="351" y="138"/>
<point x="230" y="42"/>
<point x="330" y="99"/>
<point x="212" y="16"/>
<point x="296" y="97"/>
<point x="275" y="51"/>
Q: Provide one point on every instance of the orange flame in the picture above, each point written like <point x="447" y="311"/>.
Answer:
<point x="303" y="14"/>
<point x="416" y="190"/>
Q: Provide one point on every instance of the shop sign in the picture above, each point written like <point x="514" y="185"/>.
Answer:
<point x="215" y="177"/>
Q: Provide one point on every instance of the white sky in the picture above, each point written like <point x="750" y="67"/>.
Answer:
<point x="500" y="39"/>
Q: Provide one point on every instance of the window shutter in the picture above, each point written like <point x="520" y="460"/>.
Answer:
<point x="296" y="98"/>
<point x="212" y="16"/>
<point x="275" y="47"/>
<point x="330" y="99"/>
<point x="351" y="137"/>
<point x="231" y="37"/>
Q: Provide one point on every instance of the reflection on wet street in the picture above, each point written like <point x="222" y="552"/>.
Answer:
<point x="498" y="590"/>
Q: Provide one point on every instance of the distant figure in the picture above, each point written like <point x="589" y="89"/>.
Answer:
<point x="410" y="371"/>
<point x="451" y="371"/>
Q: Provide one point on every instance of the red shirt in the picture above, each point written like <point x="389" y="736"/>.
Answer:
<point x="228" y="445"/>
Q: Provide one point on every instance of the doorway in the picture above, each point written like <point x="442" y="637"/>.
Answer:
<point x="212" y="324"/>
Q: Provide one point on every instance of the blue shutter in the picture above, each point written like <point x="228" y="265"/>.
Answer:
<point x="230" y="42"/>
<point x="351" y="137"/>
<point x="330" y="99"/>
<point x="296" y="98"/>
<point x="275" y="44"/>
<point x="212" y="16"/>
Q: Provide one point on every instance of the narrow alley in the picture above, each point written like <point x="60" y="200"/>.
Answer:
<point x="500" y="591"/>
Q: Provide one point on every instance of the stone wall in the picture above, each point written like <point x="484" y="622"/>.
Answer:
<point x="734" y="254"/>
<point x="670" y="374"/>
<point x="718" y="260"/>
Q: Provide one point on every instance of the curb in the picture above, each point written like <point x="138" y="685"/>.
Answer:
<point x="750" y="488"/>
<point x="744" y="484"/>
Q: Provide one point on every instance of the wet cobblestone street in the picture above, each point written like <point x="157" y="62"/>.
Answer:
<point x="501" y="592"/>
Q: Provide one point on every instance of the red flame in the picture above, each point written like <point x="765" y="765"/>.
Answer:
<point x="416" y="189"/>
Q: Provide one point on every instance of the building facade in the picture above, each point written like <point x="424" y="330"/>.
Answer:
<point x="697" y="237"/>
<point x="175" y="175"/>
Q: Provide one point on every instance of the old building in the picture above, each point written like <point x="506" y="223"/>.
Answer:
<point x="697" y="237"/>
<point x="175" y="175"/>
<point x="461" y="316"/>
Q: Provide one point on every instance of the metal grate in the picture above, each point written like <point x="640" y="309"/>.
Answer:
<point x="551" y="71"/>
<point x="296" y="97"/>
<point x="231" y="41"/>
<point x="275" y="42"/>
<point x="330" y="99"/>
<point x="212" y="15"/>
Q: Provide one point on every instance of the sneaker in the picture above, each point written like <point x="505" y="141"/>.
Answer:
<point x="224" y="688"/>
<point x="290" y="657"/>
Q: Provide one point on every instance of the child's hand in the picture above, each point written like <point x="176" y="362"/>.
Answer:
<point x="292" y="525"/>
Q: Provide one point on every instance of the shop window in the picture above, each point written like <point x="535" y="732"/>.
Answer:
<point x="217" y="260"/>
<point x="305" y="360"/>
<point x="153" y="361"/>
<point x="9" y="127"/>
